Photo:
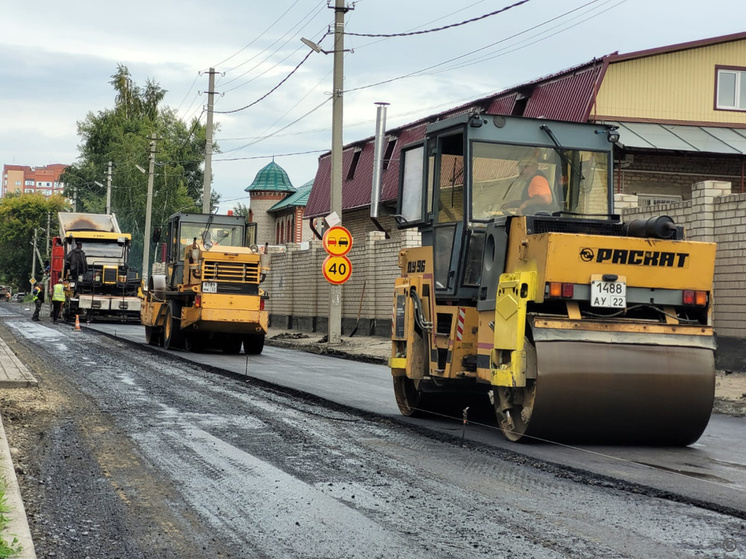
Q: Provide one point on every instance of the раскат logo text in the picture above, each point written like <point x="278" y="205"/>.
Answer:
<point x="635" y="257"/>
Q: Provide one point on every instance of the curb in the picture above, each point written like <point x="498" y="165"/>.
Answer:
<point x="13" y="373"/>
<point x="17" y="521"/>
<point x="324" y="349"/>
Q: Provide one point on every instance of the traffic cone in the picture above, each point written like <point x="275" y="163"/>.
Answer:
<point x="77" y="322"/>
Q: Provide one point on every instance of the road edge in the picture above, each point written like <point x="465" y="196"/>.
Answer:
<point x="17" y="526"/>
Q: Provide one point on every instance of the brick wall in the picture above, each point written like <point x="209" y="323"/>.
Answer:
<point x="674" y="175"/>
<point x="299" y="294"/>
<point x="714" y="215"/>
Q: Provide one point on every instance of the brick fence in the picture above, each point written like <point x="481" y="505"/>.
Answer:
<point x="713" y="215"/>
<point x="300" y="295"/>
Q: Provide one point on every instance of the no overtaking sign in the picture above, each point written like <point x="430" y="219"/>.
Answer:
<point x="337" y="268"/>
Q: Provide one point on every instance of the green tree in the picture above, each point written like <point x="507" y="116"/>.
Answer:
<point x="240" y="209"/>
<point x="20" y="215"/>
<point x="122" y="135"/>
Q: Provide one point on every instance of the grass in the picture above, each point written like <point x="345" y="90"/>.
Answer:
<point x="7" y="548"/>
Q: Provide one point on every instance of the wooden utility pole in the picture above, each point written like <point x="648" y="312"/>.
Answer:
<point x="208" y="144"/>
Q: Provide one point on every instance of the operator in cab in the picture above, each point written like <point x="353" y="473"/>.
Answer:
<point x="536" y="195"/>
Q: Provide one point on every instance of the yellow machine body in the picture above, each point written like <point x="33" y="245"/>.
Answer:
<point x="210" y="294"/>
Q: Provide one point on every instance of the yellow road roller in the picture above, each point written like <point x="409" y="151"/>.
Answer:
<point x="530" y="295"/>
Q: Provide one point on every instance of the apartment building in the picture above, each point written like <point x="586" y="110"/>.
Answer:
<point x="33" y="180"/>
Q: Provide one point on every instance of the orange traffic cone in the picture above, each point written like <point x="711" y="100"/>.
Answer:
<point x="77" y="322"/>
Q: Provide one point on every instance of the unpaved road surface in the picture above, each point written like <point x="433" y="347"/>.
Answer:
<point x="123" y="452"/>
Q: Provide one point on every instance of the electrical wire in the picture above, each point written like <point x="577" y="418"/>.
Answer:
<point x="272" y="156"/>
<point x="292" y="33"/>
<point x="451" y="26"/>
<point x="257" y="37"/>
<point x="275" y="88"/>
<point x="188" y="92"/>
<point x="423" y="71"/>
<point x="518" y="46"/>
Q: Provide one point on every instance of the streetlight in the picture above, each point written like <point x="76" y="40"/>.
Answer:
<point x="335" y="202"/>
<point x="313" y="45"/>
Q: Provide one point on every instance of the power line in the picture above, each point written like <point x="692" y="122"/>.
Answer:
<point x="423" y="70"/>
<point x="257" y="37"/>
<point x="518" y="46"/>
<point x="472" y="20"/>
<point x="289" y="34"/>
<point x="273" y="155"/>
<point x="310" y="52"/>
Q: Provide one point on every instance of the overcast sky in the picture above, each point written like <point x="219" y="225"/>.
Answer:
<point x="57" y="58"/>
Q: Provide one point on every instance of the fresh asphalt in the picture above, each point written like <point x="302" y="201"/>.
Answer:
<point x="711" y="472"/>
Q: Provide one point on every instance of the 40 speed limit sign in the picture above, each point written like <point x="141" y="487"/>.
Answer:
<point x="337" y="269"/>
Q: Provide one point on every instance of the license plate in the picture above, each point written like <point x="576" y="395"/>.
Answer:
<point x="609" y="294"/>
<point x="209" y="287"/>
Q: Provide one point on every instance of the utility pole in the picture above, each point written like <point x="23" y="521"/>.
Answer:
<point x="33" y="258"/>
<point x="208" y="144"/>
<point x="75" y="198"/>
<point x="148" y="210"/>
<point x="108" y="189"/>
<point x="335" y="202"/>
<point x="49" y="222"/>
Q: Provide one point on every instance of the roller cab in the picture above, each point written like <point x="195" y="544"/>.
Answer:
<point x="573" y="325"/>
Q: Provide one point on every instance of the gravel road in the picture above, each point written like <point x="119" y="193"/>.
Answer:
<point x="123" y="452"/>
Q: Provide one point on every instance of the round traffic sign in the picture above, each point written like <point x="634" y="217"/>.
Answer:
<point x="337" y="241"/>
<point x="337" y="269"/>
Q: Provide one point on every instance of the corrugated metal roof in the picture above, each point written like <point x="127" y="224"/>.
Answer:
<point x="503" y="105"/>
<point x="566" y="98"/>
<point x="299" y="199"/>
<point x="271" y="177"/>
<point x="356" y="191"/>
<point x="679" y="47"/>
<point x="674" y="137"/>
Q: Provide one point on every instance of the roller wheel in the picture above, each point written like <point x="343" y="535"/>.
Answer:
<point x="152" y="335"/>
<point x="514" y="405"/>
<point x="172" y="335"/>
<point x="412" y="400"/>
<point x="253" y="344"/>
<point x="193" y="343"/>
<point x="231" y="344"/>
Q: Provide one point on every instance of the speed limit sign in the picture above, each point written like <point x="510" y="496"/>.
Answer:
<point x="337" y="269"/>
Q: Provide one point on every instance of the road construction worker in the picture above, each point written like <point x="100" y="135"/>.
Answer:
<point x="38" y="293"/>
<point x="58" y="297"/>
<point x="76" y="261"/>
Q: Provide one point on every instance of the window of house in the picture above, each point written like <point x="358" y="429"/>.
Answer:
<point x="388" y="154"/>
<point x="353" y="165"/>
<point x="731" y="89"/>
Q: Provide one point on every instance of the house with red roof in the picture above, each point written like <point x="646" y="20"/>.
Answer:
<point x="680" y="111"/>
